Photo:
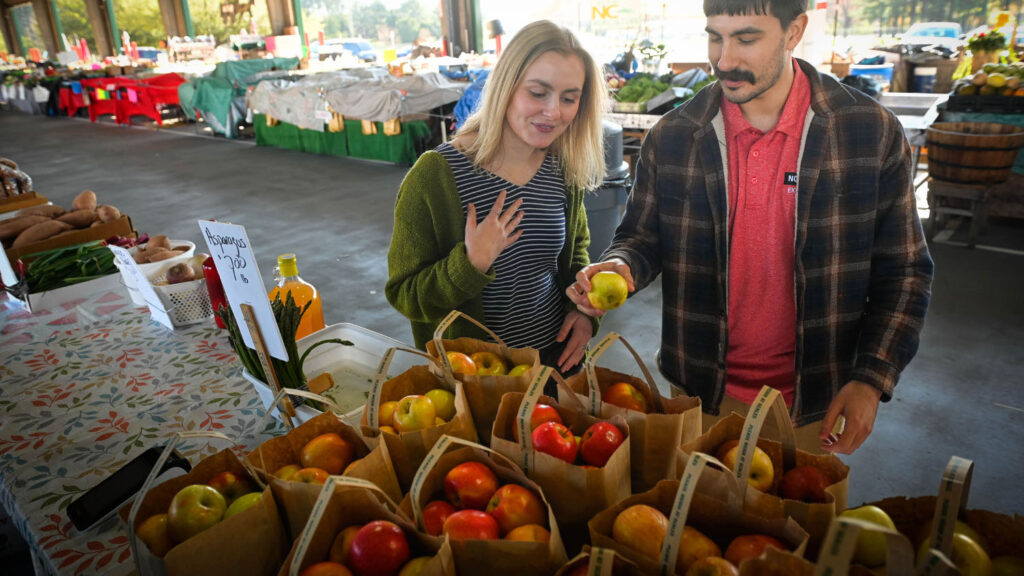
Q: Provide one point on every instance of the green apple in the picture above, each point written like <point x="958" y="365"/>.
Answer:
<point x="608" y="290"/>
<point x="444" y="403"/>
<point x="243" y="503"/>
<point x="193" y="509"/>
<point x="414" y="412"/>
<point x="968" y="556"/>
<point x="872" y="547"/>
<point x="519" y="370"/>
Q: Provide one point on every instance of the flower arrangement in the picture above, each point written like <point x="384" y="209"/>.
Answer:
<point x="991" y="41"/>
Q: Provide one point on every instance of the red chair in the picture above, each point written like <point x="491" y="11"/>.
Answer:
<point x="102" y="94"/>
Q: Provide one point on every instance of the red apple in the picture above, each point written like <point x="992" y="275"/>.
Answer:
<point x="625" y="395"/>
<point x="155" y="533"/>
<point x="414" y="412"/>
<point x="434" y="515"/>
<point x="310" y="476"/>
<point x="243" y="503"/>
<point x="343" y="543"/>
<point x="193" y="509"/>
<point x="555" y="439"/>
<point x="328" y="451"/>
<point x="489" y="364"/>
<point x="386" y="413"/>
<point x="599" y="443"/>
<point x="529" y="533"/>
<point x="471" y="525"/>
<point x="325" y="569"/>
<point x="750" y="546"/>
<point x="462" y="363"/>
<point x="378" y="549"/>
<point x="470" y="485"/>
<point x="230" y="485"/>
<point x="642" y="528"/>
<point x="541" y="413"/>
<point x="805" y="483"/>
<point x="514" y="505"/>
<point x="712" y="566"/>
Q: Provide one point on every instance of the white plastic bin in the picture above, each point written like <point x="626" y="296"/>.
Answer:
<point x="351" y="367"/>
<point x="149" y="269"/>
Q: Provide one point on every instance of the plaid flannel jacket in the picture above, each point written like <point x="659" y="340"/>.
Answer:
<point x="862" y="268"/>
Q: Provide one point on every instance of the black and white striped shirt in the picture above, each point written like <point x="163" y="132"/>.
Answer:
<point x="523" y="304"/>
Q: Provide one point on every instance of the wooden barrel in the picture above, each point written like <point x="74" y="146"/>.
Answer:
<point x="973" y="152"/>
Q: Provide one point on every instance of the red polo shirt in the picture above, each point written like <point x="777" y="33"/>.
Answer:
<point x="762" y="215"/>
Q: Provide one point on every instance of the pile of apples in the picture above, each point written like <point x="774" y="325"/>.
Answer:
<point x="971" y="553"/>
<point x="805" y="483"/>
<point x="416" y="411"/>
<point x="195" y="508"/>
<point x="643" y="528"/>
<point x="551" y="436"/>
<point x="377" y="548"/>
<point x="483" y="364"/>
<point x="993" y="80"/>
<point x="325" y="455"/>
<point x="475" y="507"/>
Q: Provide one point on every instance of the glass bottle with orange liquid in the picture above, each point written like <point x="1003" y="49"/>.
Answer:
<point x="288" y="280"/>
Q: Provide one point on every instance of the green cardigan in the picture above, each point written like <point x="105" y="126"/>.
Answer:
<point x="429" y="273"/>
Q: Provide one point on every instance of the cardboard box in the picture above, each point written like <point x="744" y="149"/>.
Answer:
<point x="10" y="205"/>
<point x="120" y="227"/>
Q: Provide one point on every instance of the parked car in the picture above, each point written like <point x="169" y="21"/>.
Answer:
<point x="361" y="49"/>
<point x="946" y="34"/>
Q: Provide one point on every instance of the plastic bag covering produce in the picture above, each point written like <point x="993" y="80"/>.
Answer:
<point x="471" y="97"/>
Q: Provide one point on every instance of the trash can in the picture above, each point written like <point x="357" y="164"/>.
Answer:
<point x="924" y="79"/>
<point x="604" y="205"/>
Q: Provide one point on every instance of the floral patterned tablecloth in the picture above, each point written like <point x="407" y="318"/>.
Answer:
<point x="87" y="387"/>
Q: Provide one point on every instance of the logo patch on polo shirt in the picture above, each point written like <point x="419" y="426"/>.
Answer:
<point x="789" y="181"/>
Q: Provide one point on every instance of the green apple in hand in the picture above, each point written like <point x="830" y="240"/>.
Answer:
<point x="608" y="290"/>
<point x="193" y="509"/>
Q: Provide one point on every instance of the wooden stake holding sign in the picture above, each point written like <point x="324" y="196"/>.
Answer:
<point x="243" y="285"/>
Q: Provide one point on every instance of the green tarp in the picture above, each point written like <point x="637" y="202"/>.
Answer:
<point x="400" y="149"/>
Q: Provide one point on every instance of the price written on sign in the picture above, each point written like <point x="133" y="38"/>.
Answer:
<point x="236" y="264"/>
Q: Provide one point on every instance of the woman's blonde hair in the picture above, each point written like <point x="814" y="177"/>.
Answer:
<point x="580" y="149"/>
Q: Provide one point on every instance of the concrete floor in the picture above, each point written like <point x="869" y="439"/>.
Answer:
<point x="963" y="394"/>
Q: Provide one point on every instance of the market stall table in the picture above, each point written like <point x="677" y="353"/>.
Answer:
<point x="87" y="387"/>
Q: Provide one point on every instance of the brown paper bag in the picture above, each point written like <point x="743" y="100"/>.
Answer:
<point x="655" y="436"/>
<point x="410" y="449"/>
<point x="837" y="551"/>
<point x="344" y="502"/>
<point x="297" y="498"/>
<point x="685" y="502"/>
<point x="813" y="517"/>
<point x="250" y="543"/>
<point x="576" y="493"/>
<point x="501" y="557"/>
<point x="483" y="392"/>
<point x="599" y="562"/>
<point x="934" y="517"/>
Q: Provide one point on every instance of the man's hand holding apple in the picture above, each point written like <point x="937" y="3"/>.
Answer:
<point x="857" y="403"/>
<point x="485" y="240"/>
<point x="577" y="291"/>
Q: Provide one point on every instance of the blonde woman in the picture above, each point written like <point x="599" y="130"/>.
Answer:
<point x="492" y="223"/>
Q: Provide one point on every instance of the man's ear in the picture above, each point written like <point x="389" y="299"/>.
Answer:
<point x="795" y="31"/>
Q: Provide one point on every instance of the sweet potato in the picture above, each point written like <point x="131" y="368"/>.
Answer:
<point x="79" y="218"/>
<point x="108" y="213"/>
<point x="158" y="241"/>
<point x="41" y="231"/>
<point x="11" y="228"/>
<point x="165" y="255"/>
<point x="50" y="210"/>
<point x="84" y="201"/>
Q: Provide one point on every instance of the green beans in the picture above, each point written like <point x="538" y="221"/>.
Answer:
<point x="69" y="265"/>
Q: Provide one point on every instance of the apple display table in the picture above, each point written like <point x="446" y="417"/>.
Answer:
<point x="83" y="390"/>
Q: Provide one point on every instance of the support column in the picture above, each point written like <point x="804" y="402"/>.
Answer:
<point x="96" y="11"/>
<point x="173" y="18"/>
<point x="460" y="26"/>
<point x="47" y="26"/>
<point x="281" y="14"/>
<point x="187" y="16"/>
<point x="10" y="34"/>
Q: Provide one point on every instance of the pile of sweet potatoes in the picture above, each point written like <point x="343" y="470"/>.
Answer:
<point x="42" y="222"/>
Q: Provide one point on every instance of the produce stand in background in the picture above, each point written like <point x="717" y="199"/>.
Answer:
<point x="403" y="148"/>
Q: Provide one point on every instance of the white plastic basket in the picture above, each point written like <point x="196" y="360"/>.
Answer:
<point x="186" y="302"/>
<point x="133" y="291"/>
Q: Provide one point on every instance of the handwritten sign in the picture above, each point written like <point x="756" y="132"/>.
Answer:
<point x="156" y="308"/>
<point x="236" y="264"/>
<point x="6" y="270"/>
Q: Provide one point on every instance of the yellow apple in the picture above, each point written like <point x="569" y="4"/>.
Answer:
<point x="489" y="364"/>
<point x="762" y="471"/>
<point x="287" y="471"/>
<point x="414" y="412"/>
<point x="519" y="369"/>
<point x="693" y="546"/>
<point x="608" y="290"/>
<point x="642" y="528"/>
<point x="243" y="503"/>
<point x="872" y="547"/>
<point x="154" y="533"/>
<point x="444" y="403"/>
<point x="386" y="413"/>
<point x="968" y="556"/>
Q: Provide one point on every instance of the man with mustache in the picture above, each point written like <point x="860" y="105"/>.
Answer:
<point x="777" y="206"/>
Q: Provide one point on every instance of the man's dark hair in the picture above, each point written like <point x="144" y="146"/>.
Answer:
<point x="784" y="10"/>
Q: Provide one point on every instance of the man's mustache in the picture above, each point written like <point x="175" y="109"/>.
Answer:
<point x="736" y="76"/>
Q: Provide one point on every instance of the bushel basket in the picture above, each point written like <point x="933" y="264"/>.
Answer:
<point x="972" y="152"/>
